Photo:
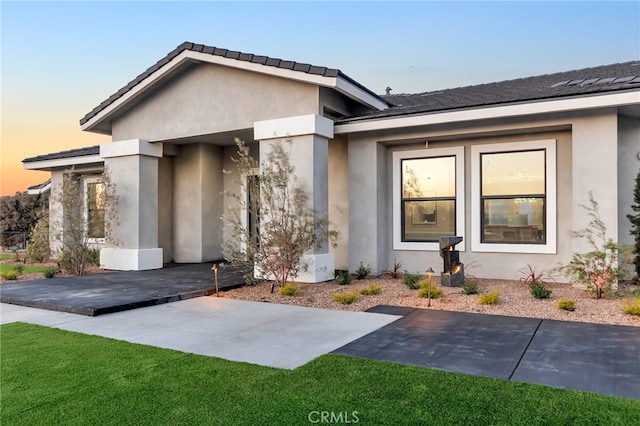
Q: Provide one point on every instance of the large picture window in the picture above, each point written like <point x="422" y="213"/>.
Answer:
<point x="428" y="197"/>
<point x="514" y="197"/>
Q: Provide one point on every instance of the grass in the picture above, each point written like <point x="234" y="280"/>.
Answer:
<point x="7" y="256"/>
<point x="51" y="376"/>
<point x="346" y="298"/>
<point x="28" y="269"/>
<point x="489" y="298"/>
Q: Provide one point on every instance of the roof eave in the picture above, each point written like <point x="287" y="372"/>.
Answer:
<point x="48" y="165"/>
<point x="575" y="103"/>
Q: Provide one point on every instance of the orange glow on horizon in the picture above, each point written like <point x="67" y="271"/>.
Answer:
<point x="20" y="141"/>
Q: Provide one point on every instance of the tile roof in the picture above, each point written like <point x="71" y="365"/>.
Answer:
<point x="79" y="152"/>
<point x="588" y="81"/>
<point x="215" y="51"/>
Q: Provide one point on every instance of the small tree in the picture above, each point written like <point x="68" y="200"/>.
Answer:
<point x="38" y="248"/>
<point x="288" y="228"/>
<point x="80" y="227"/>
<point x="635" y="227"/>
<point x="604" y="265"/>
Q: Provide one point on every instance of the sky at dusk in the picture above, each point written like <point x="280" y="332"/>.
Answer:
<point x="61" y="59"/>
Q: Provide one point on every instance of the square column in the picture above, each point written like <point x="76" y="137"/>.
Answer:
<point x="133" y="169"/>
<point x="308" y="154"/>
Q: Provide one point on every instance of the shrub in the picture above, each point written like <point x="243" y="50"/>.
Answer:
<point x="19" y="268"/>
<point x="343" y="277"/>
<point x="9" y="275"/>
<point x="345" y="298"/>
<point x="539" y="291"/>
<point x="489" y="298"/>
<point x="605" y="264"/>
<point x="411" y="280"/>
<point x="371" y="290"/>
<point x="362" y="271"/>
<point x="424" y="290"/>
<point x="470" y="286"/>
<point x="38" y="245"/>
<point x="50" y="272"/>
<point x="632" y="306"/>
<point x="93" y="256"/>
<point x="567" y="304"/>
<point x="395" y="272"/>
<point x="289" y="289"/>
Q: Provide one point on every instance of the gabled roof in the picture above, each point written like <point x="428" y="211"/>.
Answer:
<point x="582" y="82"/>
<point x="79" y="152"/>
<point x="338" y="78"/>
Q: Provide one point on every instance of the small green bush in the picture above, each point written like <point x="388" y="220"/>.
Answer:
<point x="362" y="271"/>
<point x="19" y="268"/>
<point x="345" y="298"/>
<point x="9" y="275"/>
<point x="411" y="280"/>
<point x="371" y="290"/>
<point x="50" y="272"/>
<point x="289" y="289"/>
<point x="424" y="290"/>
<point x="567" y="304"/>
<point x="539" y="291"/>
<point x="343" y="277"/>
<point x="93" y="256"/>
<point x="636" y="292"/>
<point x="489" y="298"/>
<point x="632" y="306"/>
<point x="470" y="287"/>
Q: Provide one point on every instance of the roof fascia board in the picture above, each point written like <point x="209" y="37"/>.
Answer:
<point x="351" y="90"/>
<point x="62" y="162"/>
<point x="529" y="108"/>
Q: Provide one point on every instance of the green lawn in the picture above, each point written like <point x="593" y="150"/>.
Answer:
<point x="52" y="377"/>
<point x="7" y="256"/>
<point x="28" y="269"/>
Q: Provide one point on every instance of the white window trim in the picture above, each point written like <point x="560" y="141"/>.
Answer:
<point x="551" y="206"/>
<point x="85" y="207"/>
<point x="398" y="156"/>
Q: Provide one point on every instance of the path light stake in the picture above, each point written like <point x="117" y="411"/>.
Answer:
<point x="429" y="273"/>
<point x="214" y="268"/>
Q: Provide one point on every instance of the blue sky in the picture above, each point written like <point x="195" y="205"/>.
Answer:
<point x="60" y="59"/>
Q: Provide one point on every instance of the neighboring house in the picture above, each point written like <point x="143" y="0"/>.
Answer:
<point x="504" y="165"/>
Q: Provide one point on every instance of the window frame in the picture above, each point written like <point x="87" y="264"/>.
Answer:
<point x="550" y="203"/>
<point x="459" y="202"/>
<point x="87" y="183"/>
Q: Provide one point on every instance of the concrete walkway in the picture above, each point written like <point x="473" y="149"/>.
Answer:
<point x="266" y="334"/>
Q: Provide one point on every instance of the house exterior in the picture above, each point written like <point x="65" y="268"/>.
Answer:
<point x="504" y="165"/>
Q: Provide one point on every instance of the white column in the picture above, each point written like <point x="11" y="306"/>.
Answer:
<point x="309" y="151"/>
<point x="133" y="169"/>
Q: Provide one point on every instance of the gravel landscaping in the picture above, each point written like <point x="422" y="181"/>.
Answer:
<point x="515" y="299"/>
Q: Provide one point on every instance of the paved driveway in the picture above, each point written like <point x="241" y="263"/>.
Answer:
<point x="582" y="356"/>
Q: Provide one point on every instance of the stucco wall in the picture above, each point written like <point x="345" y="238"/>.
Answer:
<point x="339" y="199"/>
<point x="628" y="166"/>
<point x="165" y="207"/>
<point x="207" y="99"/>
<point x="197" y="203"/>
